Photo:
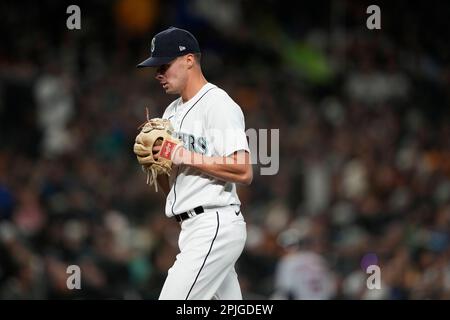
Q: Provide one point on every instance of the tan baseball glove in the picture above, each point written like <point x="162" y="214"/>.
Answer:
<point x="156" y="132"/>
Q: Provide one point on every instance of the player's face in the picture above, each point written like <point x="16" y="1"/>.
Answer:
<point x="173" y="76"/>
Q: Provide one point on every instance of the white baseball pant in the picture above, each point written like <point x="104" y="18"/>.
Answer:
<point x="210" y="244"/>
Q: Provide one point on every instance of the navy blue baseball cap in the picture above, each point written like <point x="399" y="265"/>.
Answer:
<point x="168" y="45"/>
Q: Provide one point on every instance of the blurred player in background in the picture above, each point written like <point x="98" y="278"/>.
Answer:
<point x="302" y="273"/>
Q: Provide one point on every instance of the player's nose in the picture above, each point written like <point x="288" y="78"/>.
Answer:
<point x="158" y="76"/>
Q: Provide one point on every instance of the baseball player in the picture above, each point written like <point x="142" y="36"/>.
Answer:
<point x="201" y="189"/>
<point x="302" y="273"/>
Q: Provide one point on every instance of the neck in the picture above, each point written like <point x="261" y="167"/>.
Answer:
<point x="194" y="84"/>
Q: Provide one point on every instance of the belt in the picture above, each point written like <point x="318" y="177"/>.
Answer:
<point x="189" y="214"/>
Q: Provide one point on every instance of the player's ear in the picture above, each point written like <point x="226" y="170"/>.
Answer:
<point x="190" y="60"/>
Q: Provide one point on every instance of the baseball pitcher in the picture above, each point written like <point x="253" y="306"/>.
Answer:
<point x="196" y="153"/>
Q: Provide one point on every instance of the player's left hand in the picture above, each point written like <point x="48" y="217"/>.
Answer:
<point x="181" y="155"/>
<point x="178" y="155"/>
<point x="154" y="148"/>
<point x="155" y="151"/>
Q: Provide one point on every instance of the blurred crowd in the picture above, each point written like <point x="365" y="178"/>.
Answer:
<point x="364" y="124"/>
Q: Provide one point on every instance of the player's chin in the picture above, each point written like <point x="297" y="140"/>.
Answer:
<point x="170" y="90"/>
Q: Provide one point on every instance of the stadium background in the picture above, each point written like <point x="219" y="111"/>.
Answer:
<point x="364" y="142"/>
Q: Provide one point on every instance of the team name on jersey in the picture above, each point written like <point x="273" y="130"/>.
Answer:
<point x="192" y="143"/>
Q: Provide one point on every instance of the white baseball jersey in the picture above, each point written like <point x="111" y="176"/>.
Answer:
<point x="210" y="123"/>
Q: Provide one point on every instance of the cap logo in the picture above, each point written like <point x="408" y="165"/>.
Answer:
<point x="152" y="45"/>
<point x="181" y="48"/>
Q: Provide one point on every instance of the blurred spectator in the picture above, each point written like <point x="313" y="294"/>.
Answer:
<point x="55" y="107"/>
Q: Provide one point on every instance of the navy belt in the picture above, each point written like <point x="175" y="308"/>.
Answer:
<point x="189" y="214"/>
